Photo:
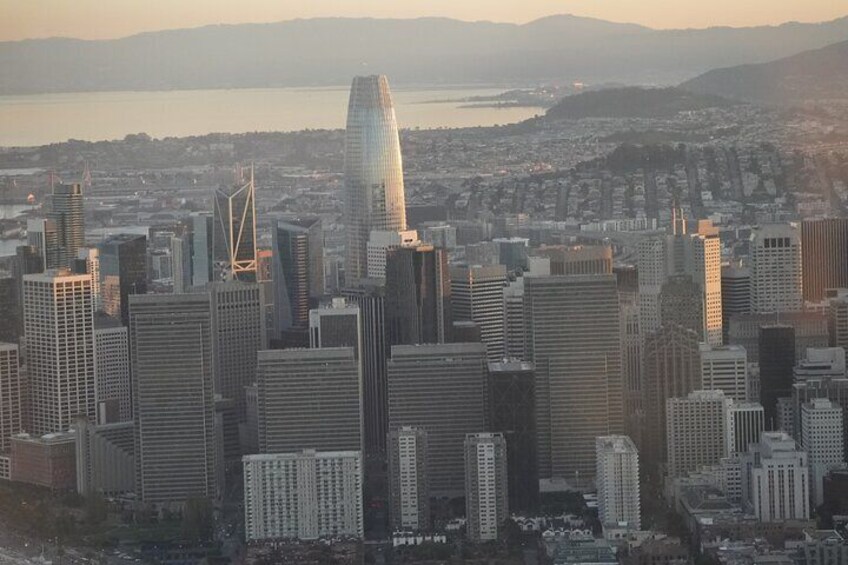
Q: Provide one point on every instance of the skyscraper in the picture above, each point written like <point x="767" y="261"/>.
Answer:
<point x="88" y="262"/>
<point x="777" y="360"/>
<point x="578" y="368"/>
<point x="486" y="499"/>
<point x="43" y="234"/>
<point x="59" y="330"/>
<point x="170" y="336"/>
<point x="776" y="269"/>
<point x="234" y="230"/>
<point x="373" y="170"/>
<point x="123" y="271"/>
<point x="379" y="243"/>
<point x="181" y="264"/>
<point x="336" y="325"/>
<point x="409" y="487"/>
<point x="201" y="249"/>
<point x="10" y="394"/>
<point x="824" y="247"/>
<point x="477" y="295"/>
<point x="112" y="371"/>
<point x="298" y="270"/>
<point x="441" y="389"/>
<point x="577" y="260"/>
<point x="681" y="303"/>
<point x="735" y="294"/>
<point x="67" y="212"/>
<point x="617" y="479"/>
<point x="822" y="439"/>
<point x="747" y="422"/>
<point x="725" y="368"/>
<point x="698" y="432"/>
<point x="10" y="309"/>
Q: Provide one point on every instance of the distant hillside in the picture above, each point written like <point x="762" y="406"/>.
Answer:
<point x="632" y="102"/>
<point x="811" y="75"/>
<point x="423" y="51"/>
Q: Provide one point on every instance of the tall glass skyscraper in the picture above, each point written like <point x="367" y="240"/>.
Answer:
<point x="234" y="235"/>
<point x="373" y="170"/>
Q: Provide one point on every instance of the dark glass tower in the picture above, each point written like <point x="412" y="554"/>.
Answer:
<point x="234" y="230"/>
<point x="67" y="212"/>
<point x="298" y="264"/>
<point x="777" y="360"/>
<point x="123" y="271"/>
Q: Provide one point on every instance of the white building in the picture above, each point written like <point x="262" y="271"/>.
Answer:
<point x="306" y="495"/>
<point x="112" y="374"/>
<point x="776" y="277"/>
<point x="725" y="368"/>
<point x="409" y="494"/>
<point x="775" y="479"/>
<point x="697" y="431"/>
<point x="821" y="437"/>
<point x="379" y="242"/>
<point x="617" y="479"/>
<point x="477" y="295"/>
<point x="486" y="487"/>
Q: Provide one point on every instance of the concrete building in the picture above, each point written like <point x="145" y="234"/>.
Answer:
<point x="59" y="330"/>
<point x="698" y="431"/>
<point x="578" y="259"/>
<point x="409" y="487"/>
<point x="306" y="495"/>
<point x="725" y="368"/>
<point x="379" y="242"/>
<point x="477" y="295"/>
<point x="486" y="498"/>
<point x="10" y="394"/>
<point x="775" y="479"/>
<point x="309" y="399"/>
<point x="824" y="246"/>
<point x="112" y="371"/>
<point x="776" y="273"/>
<point x="234" y="229"/>
<point x="47" y="460"/>
<point x="820" y="363"/>
<point x="441" y="389"/>
<point x="822" y="438"/>
<point x="578" y="368"/>
<point x="617" y="480"/>
<point x="747" y="422"/>
<point x="171" y="334"/>
<point x="105" y="458"/>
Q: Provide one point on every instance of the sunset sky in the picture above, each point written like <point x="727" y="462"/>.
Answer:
<point x="96" y="19"/>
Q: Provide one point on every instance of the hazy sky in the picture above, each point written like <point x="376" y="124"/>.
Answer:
<point x="91" y="19"/>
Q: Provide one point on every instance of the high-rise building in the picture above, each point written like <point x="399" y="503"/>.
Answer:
<point x="837" y="319"/>
<point x="418" y="295"/>
<point x="236" y="337"/>
<point x="105" y="457"/>
<point x="171" y="335"/>
<point x="578" y="368"/>
<point x="681" y="303"/>
<point x="112" y="371"/>
<point x="775" y="479"/>
<point x="777" y="361"/>
<point x="59" y="330"/>
<point x="10" y="309"/>
<point x="10" y="395"/>
<point x="577" y="260"/>
<point x="747" y="422"/>
<point x="123" y="271"/>
<point x="725" y="368"/>
<point x="88" y="262"/>
<point x="810" y="330"/>
<point x="735" y="294"/>
<point x="234" y="230"/>
<point x="201" y="249"/>
<point x="181" y="264"/>
<point x="66" y="210"/>
<point x="337" y="325"/>
<point x="43" y="235"/>
<point x="703" y="263"/>
<point x="824" y="246"/>
<point x="631" y="366"/>
<point x="672" y="369"/>
<point x="379" y="242"/>
<point x="373" y="170"/>
<point x="512" y="252"/>
<point x="653" y="267"/>
<point x="477" y="295"/>
<point x="409" y="488"/>
<point x="298" y="270"/>
<point x="514" y="345"/>
<point x="309" y="399"/>
<point x="486" y="498"/>
<point x="512" y="413"/>
<point x="305" y="495"/>
<point x="698" y="431"/>
<point x="617" y="479"/>
<point x="822" y="439"/>
<point x="441" y="389"/>
<point x="820" y="363"/>
<point x="776" y="276"/>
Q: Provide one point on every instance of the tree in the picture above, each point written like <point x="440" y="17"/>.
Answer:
<point x="96" y="510"/>
<point x="198" y="520"/>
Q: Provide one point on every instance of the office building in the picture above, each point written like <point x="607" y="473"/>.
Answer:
<point x="775" y="479"/>
<point x="653" y="270"/>
<point x="698" y="431"/>
<point x="735" y="294"/>
<point x="234" y="230"/>
<point x="777" y="361"/>
<point x="776" y="275"/>
<point x="442" y="390"/>
<point x="409" y="487"/>
<point x="681" y="304"/>
<point x="43" y="235"/>
<point x="512" y="413"/>
<point x="309" y="399"/>
<point x="171" y="334"/>
<point x="725" y="368"/>
<point x="10" y="394"/>
<point x="379" y="242"/>
<point x="514" y="345"/>
<point x="822" y="438"/>
<point x="298" y="270"/>
<point x="512" y="252"/>
<point x="810" y="330"/>
<point x="631" y="366"/>
<point x="747" y="422"/>
<point x="111" y="371"/>
<point x="10" y="309"/>
<point x="486" y="498"/>
<point x="201" y="249"/>
<point x="824" y="247"/>
<point x="59" y="330"/>
<point x="305" y="495"/>
<point x="578" y="259"/>
<point x="579" y="392"/>
<point x="123" y="271"/>
<point x="105" y="459"/>
<point x="372" y="159"/>
<point x="181" y="264"/>
<point x="66" y="210"/>
<point x="477" y="295"/>
<point x="47" y="461"/>
<point x="88" y="262"/>
<point x="820" y="363"/>
<point x="418" y="295"/>
<point x="837" y="318"/>
<point x="336" y="325"/>
<point x="439" y="235"/>
<point x="617" y="479"/>
<point x="703" y="263"/>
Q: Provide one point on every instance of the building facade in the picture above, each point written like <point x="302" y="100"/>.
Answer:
<point x="409" y="487"/>
<point x="617" y="479"/>
<point x="486" y="498"/>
